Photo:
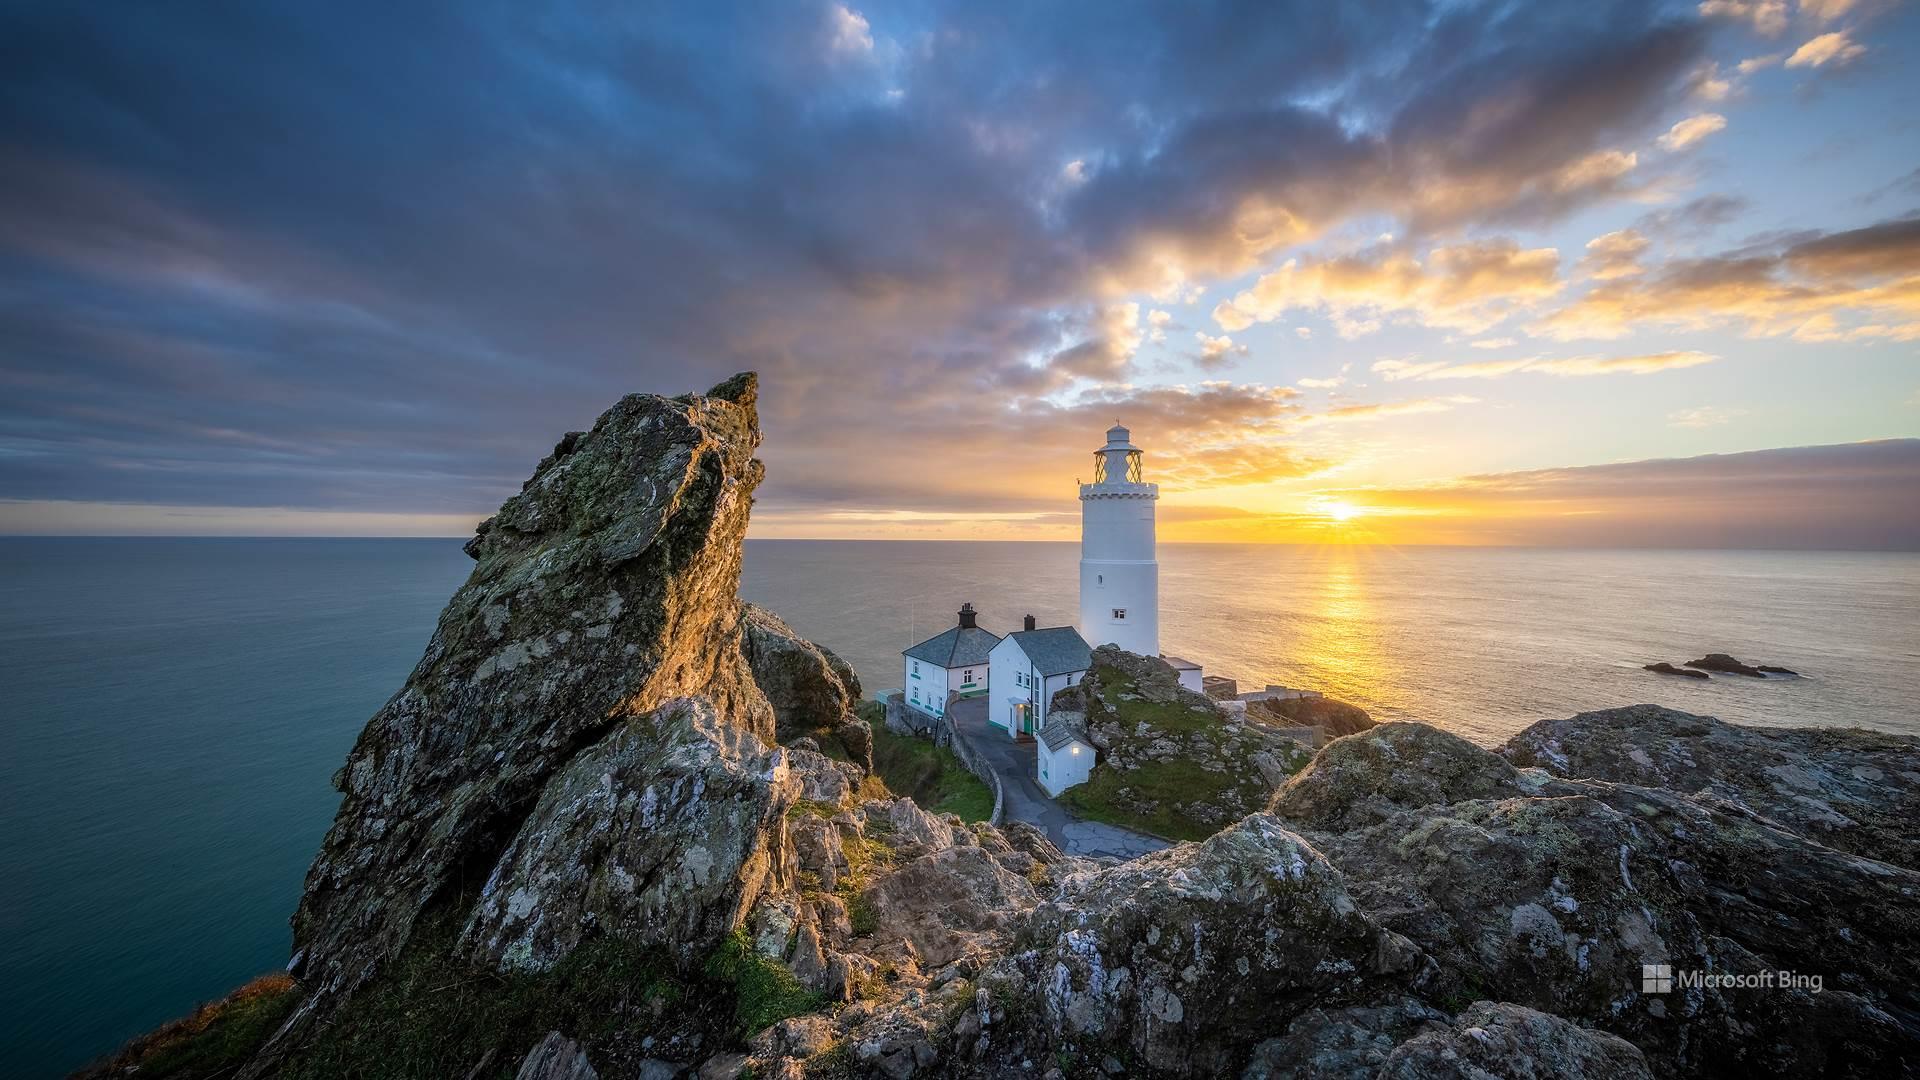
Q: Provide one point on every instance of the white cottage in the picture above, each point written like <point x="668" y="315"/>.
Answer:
<point x="1029" y="666"/>
<point x="952" y="663"/>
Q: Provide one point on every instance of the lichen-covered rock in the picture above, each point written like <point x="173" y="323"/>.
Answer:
<point x="604" y="589"/>
<point x="1408" y="1040"/>
<point x="1558" y="899"/>
<point x="556" y="1057"/>
<point x="1332" y="716"/>
<point x="1515" y="1042"/>
<point x="811" y="690"/>
<point x="1362" y="779"/>
<point x="1184" y="958"/>
<point x="1850" y="789"/>
<point x="666" y="831"/>
<point x="1333" y="1044"/>
<point x="951" y="903"/>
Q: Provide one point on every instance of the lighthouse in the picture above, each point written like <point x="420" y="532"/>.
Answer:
<point x="1119" y="571"/>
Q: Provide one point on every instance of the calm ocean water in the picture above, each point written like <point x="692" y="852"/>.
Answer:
<point x="173" y="709"/>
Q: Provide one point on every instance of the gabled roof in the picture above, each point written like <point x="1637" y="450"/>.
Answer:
<point x="1058" y="733"/>
<point x="1055" y="650"/>
<point x="959" y="646"/>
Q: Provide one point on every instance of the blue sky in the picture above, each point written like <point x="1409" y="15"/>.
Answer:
<point x="1455" y="268"/>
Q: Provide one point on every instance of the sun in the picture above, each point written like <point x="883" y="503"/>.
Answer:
<point x="1341" y="511"/>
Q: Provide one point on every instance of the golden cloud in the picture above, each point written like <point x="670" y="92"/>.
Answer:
<point x="1691" y="130"/>
<point x="1467" y="287"/>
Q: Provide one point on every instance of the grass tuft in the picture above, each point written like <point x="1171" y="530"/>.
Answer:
<point x="765" y="992"/>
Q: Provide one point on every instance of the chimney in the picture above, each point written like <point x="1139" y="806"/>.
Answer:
<point x="966" y="617"/>
<point x="1027" y="623"/>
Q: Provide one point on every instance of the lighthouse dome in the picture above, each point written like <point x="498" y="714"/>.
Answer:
<point x="1119" y="436"/>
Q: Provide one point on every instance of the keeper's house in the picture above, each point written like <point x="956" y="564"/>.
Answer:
<point x="953" y="663"/>
<point x="1029" y="666"/>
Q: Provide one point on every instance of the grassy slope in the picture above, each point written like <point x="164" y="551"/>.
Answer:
<point x="930" y="775"/>
<point x="1149" y="798"/>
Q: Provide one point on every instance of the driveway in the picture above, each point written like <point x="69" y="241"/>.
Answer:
<point x="1016" y="763"/>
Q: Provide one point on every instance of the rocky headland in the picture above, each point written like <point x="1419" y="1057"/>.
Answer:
<point x="617" y="824"/>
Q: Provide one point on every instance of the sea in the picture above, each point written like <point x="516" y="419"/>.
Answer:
<point x="171" y="710"/>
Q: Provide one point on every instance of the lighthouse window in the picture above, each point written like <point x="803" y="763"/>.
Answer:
<point x="1099" y="579"/>
<point x="1119" y="613"/>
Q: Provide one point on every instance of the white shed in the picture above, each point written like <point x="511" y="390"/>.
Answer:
<point x="1066" y="757"/>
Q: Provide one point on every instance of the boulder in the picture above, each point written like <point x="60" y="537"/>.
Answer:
<point x="603" y="590"/>
<point x="951" y="903"/>
<point x="1850" y="789"/>
<point x="1517" y="1043"/>
<point x="1559" y="898"/>
<point x="1363" y="779"/>
<point x="1406" y="1039"/>
<point x="556" y="1057"/>
<point x="811" y="690"/>
<point x="667" y="831"/>
<point x="1332" y="716"/>
<point x="1184" y="958"/>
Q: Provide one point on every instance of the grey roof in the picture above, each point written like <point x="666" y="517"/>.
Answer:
<point x="1057" y="733"/>
<point x="959" y="646"/>
<point x="1055" y="650"/>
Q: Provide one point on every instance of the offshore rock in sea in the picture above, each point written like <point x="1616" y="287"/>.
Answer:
<point x="1847" y="788"/>
<point x="603" y="590"/>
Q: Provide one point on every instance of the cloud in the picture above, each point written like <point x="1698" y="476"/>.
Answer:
<point x="1467" y="287"/>
<point x="395" y="312"/>
<point x="1571" y="367"/>
<point x="1826" y="10"/>
<point x="1703" y="416"/>
<point x="1862" y="281"/>
<point x="1614" y="255"/>
<point x="1848" y="496"/>
<point x="1382" y="411"/>
<point x="1834" y="48"/>
<point x="849" y="30"/>
<point x="1767" y="17"/>
<point x="1759" y="63"/>
<point x="1691" y="130"/>
<point x="1217" y="352"/>
<point x="1330" y="383"/>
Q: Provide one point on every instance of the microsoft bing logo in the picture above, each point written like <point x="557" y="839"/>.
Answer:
<point x="1656" y="978"/>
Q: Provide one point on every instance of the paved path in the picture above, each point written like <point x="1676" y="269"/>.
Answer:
<point x="1017" y="764"/>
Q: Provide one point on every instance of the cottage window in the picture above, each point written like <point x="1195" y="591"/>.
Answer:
<point x="916" y="669"/>
<point x="967" y="675"/>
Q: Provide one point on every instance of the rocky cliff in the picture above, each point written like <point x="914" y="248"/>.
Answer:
<point x="575" y="845"/>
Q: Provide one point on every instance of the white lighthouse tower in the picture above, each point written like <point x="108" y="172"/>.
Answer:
<point x="1119" y="572"/>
